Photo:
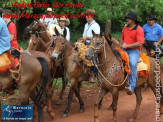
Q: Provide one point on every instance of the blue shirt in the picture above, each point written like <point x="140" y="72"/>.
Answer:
<point x="152" y="34"/>
<point x="4" y="37"/>
<point x="89" y="27"/>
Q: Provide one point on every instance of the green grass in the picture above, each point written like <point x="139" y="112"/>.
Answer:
<point x="116" y="35"/>
<point x="23" y="44"/>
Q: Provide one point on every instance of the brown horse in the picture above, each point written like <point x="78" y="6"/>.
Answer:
<point x="40" y="41"/>
<point x="108" y="67"/>
<point x="66" y="53"/>
<point x="33" y="71"/>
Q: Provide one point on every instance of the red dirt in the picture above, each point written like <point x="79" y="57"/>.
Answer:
<point x="126" y="106"/>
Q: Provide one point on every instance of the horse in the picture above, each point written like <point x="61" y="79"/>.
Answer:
<point x="40" y="41"/>
<point x="108" y="67"/>
<point x="66" y="52"/>
<point x="32" y="72"/>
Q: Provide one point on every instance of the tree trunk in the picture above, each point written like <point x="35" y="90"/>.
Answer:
<point x="108" y="27"/>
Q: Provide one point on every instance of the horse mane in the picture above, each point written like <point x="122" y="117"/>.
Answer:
<point x="116" y="53"/>
<point x="72" y="44"/>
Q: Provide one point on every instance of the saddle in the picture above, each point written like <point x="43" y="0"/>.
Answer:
<point x="143" y="66"/>
<point x="7" y="62"/>
<point x="81" y="50"/>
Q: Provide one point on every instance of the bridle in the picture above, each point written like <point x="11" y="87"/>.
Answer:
<point x="102" y="44"/>
<point x="36" y="32"/>
<point x="64" y="48"/>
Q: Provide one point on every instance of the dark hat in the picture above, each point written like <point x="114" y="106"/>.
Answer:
<point x="91" y="11"/>
<point x="152" y="17"/>
<point x="132" y="15"/>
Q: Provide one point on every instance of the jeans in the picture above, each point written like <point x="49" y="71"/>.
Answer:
<point x="133" y="57"/>
<point x="93" y="68"/>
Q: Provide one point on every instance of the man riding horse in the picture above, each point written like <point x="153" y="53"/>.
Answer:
<point x="152" y="32"/>
<point x="87" y="34"/>
<point x="4" y="37"/>
<point x="132" y="39"/>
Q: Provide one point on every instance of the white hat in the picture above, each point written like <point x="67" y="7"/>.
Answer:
<point x="52" y="29"/>
<point x="64" y="19"/>
<point x="49" y="9"/>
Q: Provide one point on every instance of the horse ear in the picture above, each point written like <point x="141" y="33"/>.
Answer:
<point x="56" y="31"/>
<point x="110" y="36"/>
<point x="94" y="34"/>
<point x="36" y="19"/>
<point x="65" y="32"/>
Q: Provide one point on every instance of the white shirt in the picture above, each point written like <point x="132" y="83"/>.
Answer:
<point x="48" y="21"/>
<point x="89" y="27"/>
<point x="68" y="33"/>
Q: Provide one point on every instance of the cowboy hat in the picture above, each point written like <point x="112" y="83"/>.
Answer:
<point x="152" y="17"/>
<point x="51" y="31"/>
<point x="132" y="15"/>
<point x="49" y="10"/>
<point x="90" y="11"/>
<point x="64" y="19"/>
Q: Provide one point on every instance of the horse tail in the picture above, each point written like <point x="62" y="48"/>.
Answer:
<point x="45" y="78"/>
<point x="45" y="70"/>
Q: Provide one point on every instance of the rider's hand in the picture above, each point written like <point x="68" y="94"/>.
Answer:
<point x="124" y="46"/>
<point x="84" y="38"/>
<point x="156" y="43"/>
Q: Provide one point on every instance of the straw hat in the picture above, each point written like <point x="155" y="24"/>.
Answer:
<point x="64" y="19"/>
<point x="49" y="10"/>
<point x="91" y="11"/>
<point x="52" y="29"/>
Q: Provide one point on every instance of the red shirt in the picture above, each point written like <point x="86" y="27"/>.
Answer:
<point x="130" y="36"/>
<point x="12" y="30"/>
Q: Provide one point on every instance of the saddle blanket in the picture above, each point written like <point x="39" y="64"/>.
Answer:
<point x="143" y="66"/>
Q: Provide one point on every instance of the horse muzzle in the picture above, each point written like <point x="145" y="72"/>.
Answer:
<point x="88" y="56"/>
<point x="54" y="56"/>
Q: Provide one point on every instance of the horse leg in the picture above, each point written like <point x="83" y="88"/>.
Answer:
<point x="111" y="107"/>
<point x="49" y="93"/>
<point x="77" y="93"/>
<point x="115" y="95"/>
<point x="138" y="102"/>
<point x="100" y="95"/>
<point x="64" y="84"/>
<point x="40" y="113"/>
<point x="70" y="96"/>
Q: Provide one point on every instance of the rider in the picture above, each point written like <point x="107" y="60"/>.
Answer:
<point x="4" y="37"/>
<point x="131" y="41"/>
<point x="11" y="28"/>
<point x="152" y="32"/>
<point x="49" y="20"/>
<point x="87" y="34"/>
<point x="63" y="22"/>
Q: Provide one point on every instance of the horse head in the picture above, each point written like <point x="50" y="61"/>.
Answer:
<point x="35" y="26"/>
<point x="96" y="45"/>
<point x="59" y="44"/>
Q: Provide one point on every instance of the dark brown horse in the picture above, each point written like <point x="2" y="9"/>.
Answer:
<point x="66" y="53"/>
<point x="108" y="67"/>
<point x="33" y="72"/>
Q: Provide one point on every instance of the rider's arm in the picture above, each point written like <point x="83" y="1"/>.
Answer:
<point x="11" y="37"/>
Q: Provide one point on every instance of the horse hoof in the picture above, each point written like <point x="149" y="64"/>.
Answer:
<point x="51" y="114"/>
<point x="131" y="120"/>
<point x="82" y="110"/>
<point x="110" y="108"/>
<point x="99" y="106"/>
<point x="65" y="115"/>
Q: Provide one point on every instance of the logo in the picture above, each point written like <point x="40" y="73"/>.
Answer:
<point x="154" y="32"/>
<point x="17" y="112"/>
